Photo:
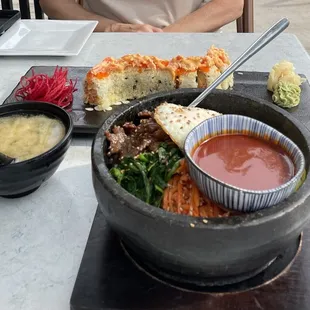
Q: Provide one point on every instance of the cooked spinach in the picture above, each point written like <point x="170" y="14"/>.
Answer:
<point x="146" y="176"/>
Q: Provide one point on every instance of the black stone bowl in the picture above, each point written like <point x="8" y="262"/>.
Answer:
<point x="219" y="251"/>
<point x="23" y="178"/>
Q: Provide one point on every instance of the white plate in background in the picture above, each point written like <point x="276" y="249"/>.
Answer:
<point x="46" y="37"/>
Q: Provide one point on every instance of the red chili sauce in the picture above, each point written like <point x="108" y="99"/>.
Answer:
<point x="245" y="161"/>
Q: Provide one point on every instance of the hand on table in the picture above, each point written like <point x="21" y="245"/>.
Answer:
<point x="118" y="27"/>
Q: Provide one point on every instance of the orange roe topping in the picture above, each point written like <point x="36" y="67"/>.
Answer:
<point x="205" y="69"/>
<point x="110" y="64"/>
<point x="184" y="65"/>
<point x="179" y="65"/>
<point x="219" y="56"/>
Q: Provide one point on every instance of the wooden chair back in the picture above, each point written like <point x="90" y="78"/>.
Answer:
<point x="246" y="22"/>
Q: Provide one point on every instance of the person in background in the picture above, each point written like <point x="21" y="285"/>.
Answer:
<point x="148" y="15"/>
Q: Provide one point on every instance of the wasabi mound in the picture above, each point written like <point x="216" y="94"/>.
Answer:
<point x="286" y="95"/>
<point x="285" y="84"/>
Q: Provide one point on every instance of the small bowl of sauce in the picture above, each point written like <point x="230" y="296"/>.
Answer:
<point x="243" y="163"/>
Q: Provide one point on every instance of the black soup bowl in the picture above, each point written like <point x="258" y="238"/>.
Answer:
<point x="22" y="178"/>
<point x="218" y="251"/>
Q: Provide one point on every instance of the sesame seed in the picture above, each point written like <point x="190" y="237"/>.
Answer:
<point x="205" y="221"/>
<point x="192" y="225"/>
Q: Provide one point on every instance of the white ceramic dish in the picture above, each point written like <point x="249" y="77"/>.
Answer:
<point x="46" y="38"/>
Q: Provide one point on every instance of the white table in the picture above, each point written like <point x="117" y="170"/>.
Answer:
<point x="43" y="235"/>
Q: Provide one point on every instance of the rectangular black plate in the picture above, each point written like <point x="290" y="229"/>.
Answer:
<point x="88" y="122"/>
<point x="7" y="19"/>
<point x="108" y="280"/>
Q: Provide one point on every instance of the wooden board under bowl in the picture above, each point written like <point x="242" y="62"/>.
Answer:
<point x="88" y="122"/>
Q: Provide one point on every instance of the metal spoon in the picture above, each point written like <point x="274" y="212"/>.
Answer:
<point x="261" y="42"/>
<point x="5" y="160"/>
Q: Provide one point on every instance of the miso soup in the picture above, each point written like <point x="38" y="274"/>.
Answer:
<point x="25" y="136"/>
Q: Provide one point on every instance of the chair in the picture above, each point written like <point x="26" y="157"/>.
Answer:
<point x="24" y="8"/>
<point x="246" y="22"/>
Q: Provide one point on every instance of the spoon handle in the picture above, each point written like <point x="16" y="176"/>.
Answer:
<point x="5" y="160"/>
<point x="261" y="42"/>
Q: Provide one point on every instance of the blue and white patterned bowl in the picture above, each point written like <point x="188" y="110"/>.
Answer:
<point x="230" y="196"/>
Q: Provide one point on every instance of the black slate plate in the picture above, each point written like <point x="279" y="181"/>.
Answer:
<point x="7" y="19"/>
<point x="108" y="279"/>
<point x="88" y="122"/>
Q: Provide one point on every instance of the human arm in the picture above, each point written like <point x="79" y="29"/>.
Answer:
<point x="210" y="17"/>
<point x="70" y="10"/>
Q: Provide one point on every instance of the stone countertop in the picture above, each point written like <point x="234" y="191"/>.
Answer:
<point x="43" y="235"/>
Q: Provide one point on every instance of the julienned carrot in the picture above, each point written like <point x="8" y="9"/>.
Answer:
<point x="183" y="197"/>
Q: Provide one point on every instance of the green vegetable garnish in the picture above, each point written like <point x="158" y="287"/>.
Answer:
<point x="147" y="175"/>
<point x="286" y="95"/>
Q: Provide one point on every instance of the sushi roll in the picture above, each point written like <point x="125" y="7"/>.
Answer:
<point x="186" y="70"/>
<point x="131" y="76"/>
<point x="116" y="80"/>
<point x="213" y="64"/>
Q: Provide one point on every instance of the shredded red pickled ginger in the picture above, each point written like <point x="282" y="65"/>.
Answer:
<point x="54" y="89"/>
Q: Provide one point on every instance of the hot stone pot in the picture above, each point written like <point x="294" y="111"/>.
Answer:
<point x="213" y="252"/>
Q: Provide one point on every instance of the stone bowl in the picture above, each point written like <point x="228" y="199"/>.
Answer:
<point x="218" y="251"/>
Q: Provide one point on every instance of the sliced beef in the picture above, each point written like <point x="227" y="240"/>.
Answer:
<point x="131" y="139"/>
<point x="117" y="139"/>
<point x="145" y="114"/>
<point x="129" y="128"/>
